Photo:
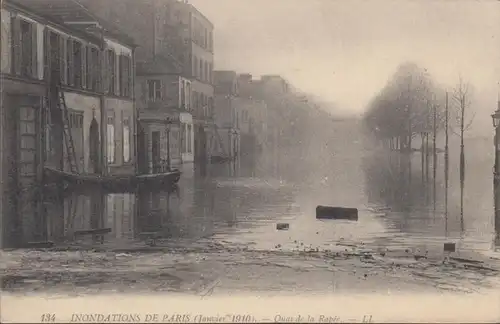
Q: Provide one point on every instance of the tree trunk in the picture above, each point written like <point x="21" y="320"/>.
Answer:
<point x="462" y="163"/>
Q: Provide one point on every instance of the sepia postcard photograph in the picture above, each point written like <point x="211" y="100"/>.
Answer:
<point x="250" y="161"/>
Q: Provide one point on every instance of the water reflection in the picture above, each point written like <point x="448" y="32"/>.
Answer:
<point x="400" y="186"/>
<point x="235" y="198"/>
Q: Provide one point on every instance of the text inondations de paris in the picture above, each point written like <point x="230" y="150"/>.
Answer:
<point x="201" y="318"/>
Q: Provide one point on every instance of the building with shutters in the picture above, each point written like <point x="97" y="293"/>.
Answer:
<point x="94" y="64"/>
<point x="163" y="87"/>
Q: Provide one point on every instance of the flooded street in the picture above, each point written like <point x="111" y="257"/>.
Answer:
<point x="217" y="231"/>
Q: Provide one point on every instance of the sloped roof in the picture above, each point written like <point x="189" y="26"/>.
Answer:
<point x="73" y="13"/>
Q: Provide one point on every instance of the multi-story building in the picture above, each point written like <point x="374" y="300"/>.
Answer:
<point x="164" y="103"/>
<point x="164" y="89"/>
<point x="226" y="113"/>
<point x="94" y="68"/>
<point x="252" y="110"/>
<point x="197" y="33"/>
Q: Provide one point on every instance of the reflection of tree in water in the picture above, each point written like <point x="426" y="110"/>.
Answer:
<point x="392" y="182"/>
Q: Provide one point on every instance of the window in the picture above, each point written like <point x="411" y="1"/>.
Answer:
<point x="183" y="94"/>
<point x="195" y="100"/>
<point x="210" y="72"/>
<point x="93" y="68"/>
<point x="210" y="41"/>
<point x="111" y="71"/>
<point x="200" y="75"/>
<point x="110" y="137"/>
<point x="183" y="138"/>
<point x="188" y="96"/>
<point x="154" y="90"/>
<point x="26" y="48"/>
<point x="77" y="64"/>
<point x="56" y="59"/>
<point x="70" y="77"/>
<point x="189" y="148"/>
<point x="195" y="66"/>
<point x="207" y="77"/>
<point x="205" y="38"/>
<point x="76" y="126"/>
<point x="210" y="107"/>
<point x="125" y="75"/>
<point x="126" y="140"/>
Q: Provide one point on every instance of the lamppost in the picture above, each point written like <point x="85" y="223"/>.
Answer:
<point x="496" y="170"/>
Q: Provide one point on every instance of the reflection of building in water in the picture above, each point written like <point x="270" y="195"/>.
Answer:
<point x="120" y="216"/>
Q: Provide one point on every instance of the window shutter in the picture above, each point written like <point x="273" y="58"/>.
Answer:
<point x="62" y="60"/>
<point x="16" y="45"/>
<point x="98" y="69"/>
<point x="88" y="67"/>
<point x="83" y="55"/>
<point x="69" y="63"/>
<point x="130" y="77"/>
<point x="121" y="74"/>
<point x="105" y="71"/>
<point x="46" y="54"/>
<point x="34" y="49"/>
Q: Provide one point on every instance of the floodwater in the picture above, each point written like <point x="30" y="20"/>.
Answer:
<point x="238" y="205"/>
<point x="242" y="202"/>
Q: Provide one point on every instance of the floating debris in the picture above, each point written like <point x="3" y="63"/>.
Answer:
<point x="326" y="212"/>
<point x="282" y="226"/>
<point x="449" y="247"/>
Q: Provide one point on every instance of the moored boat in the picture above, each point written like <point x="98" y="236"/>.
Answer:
<point x="111" y="183"/>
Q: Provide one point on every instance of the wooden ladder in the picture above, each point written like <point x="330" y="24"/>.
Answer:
<point x="68" y="136"/>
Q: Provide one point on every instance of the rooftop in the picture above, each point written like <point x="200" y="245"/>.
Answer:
<point x="75" y="14"/>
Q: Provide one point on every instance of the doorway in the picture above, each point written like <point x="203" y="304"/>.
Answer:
<point x="142" y="153"/>
<point x="155" y="151"/>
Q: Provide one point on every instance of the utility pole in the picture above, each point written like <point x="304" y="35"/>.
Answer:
<point x="462" y="159"/>
<point x="446" y="165"/>
<point x="434" y="156"/>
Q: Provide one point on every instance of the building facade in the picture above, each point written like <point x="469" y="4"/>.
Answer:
<point x="41" y="48"/>
<point x="166" y="126"/>
<point x="197" y="33"/>
<point x="163" y="85"/>
<point x="226" y="113"/>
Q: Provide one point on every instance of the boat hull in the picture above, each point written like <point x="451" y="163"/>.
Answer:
<point x="111" y="183"/>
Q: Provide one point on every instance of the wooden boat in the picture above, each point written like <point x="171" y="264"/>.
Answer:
<point x="111" y="183"/>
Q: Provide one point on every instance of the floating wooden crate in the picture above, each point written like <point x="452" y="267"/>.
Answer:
<point x="326" y="212"/>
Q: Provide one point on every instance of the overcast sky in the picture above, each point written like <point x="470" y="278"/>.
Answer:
<point x="344" y="51"/>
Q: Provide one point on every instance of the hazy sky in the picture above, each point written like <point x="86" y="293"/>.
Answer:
<point x="344" y="51"/>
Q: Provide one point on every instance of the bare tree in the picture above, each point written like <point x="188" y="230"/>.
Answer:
<point x="404" y="107"/>
<point x="461" y="101"/>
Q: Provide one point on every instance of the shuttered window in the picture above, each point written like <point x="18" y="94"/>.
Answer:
<point x="93" y="75"/>
<point x="126" y="140"/>
<point x="124" y="66"/>
<point x="111" y="71"/>
<point x="78" y="63"/>
<point x="24" y="48"/>
<point x="110" y="136"/>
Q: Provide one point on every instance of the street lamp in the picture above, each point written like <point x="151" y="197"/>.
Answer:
<point x="496" y="117"/>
